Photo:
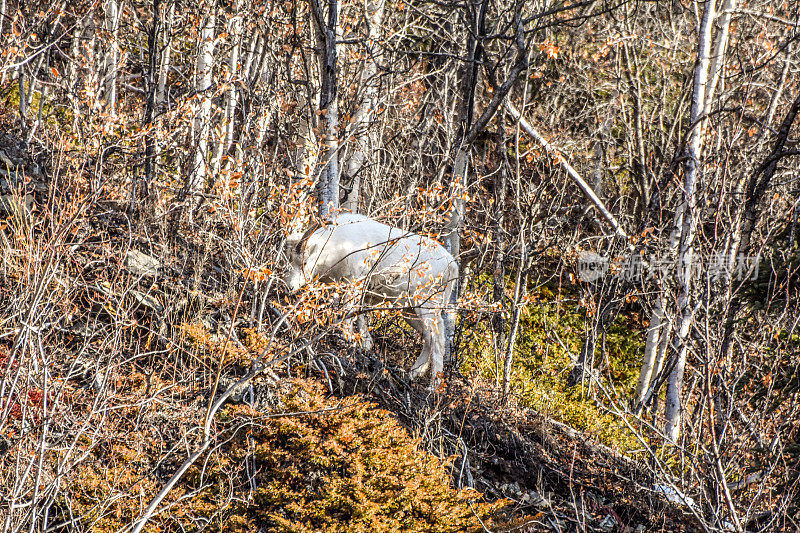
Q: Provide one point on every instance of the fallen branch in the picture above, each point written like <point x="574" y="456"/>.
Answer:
<point x="530" y="130"/>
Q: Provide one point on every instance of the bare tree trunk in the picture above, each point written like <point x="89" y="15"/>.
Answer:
<point x="466" y="130"/>
<point x="150" y="88"/>
<point x="2" y="22"/>
<point x="654" y="333"/>
<point x="113" y="9"/>
<point x="469" y="130"/>
<point x="255" y="63"/>
<point x="203" y="81"/>
<point x="23" y="97"/>
<point x="362" y="137"/>
<point x="163" y="67"/>
<point x="685" y="222"/>
<point x="520" y="289"/>
<point x="707" y="72"/>
<point x="250" y="53"/>
<point x="72" y="72"/>
<point x="233" y="81"/>
<point x="499" y="275"/>
<point x="718" y="54"/>
<point x="92" y="69"/>
<point x="328" y="177"/>
<point x="456" y="219"/>
<point x="222" y="145"/>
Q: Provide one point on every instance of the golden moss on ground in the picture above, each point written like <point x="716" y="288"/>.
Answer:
<point x="314" y="464"/>
<point x="348" y="466"/>
<point x="540" y="368"/>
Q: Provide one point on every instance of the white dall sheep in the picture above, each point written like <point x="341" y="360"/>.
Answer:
<point x="389" y="266"/>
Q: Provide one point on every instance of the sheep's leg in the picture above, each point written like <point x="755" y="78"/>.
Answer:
<point x="439" y="346"/>
<point x="362" y="323"/>
<point x="358" y="323"/>
<point x="348" y="328"/>
<point x="424" y="322"/>
<point x="435" y="326"/>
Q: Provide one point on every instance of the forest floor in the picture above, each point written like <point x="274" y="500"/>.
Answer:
<point x="141" y="331"/>
<point x="556" y="478"/>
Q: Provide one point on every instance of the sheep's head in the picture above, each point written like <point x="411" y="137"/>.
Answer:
<point x="294" y="276"/>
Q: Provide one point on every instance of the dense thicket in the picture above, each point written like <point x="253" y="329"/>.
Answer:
<point x="619" y="181"/>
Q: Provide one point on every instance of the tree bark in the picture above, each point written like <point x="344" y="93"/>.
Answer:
<point x="23" y="97"/>
<point x="654" y="332"/>
<point x="718" y="54"/>
<point x="328" y="175"/>
<point x="685" y="221"/>
<point x="163" y="67"/>
<point x="203" y="82"/>
<point x="465" y="129"/>
<point x="2" y="22"/>
<point x="232" y="91"/>
<point x="455" y="221"/>
<point x="72" y="72"/>
<point x="520" y="289"/>
<point x="113" y="9"/>
<point x="498" y="274"/>
<point x="362" y="135"/>
<point x="468" y="131"/>
<point x="150" y="89"/>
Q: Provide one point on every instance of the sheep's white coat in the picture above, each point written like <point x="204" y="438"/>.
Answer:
<point x="389" y="266"/>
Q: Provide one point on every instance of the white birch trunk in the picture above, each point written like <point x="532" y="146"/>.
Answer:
<point x="203" y="81"/>
<point x="233" y="80"/>
<point x="718" y="54"/>
<point x="306" y="152"/>
<point x="92" y="68"/>
<point x="362" y="136"/>
<point x="163" y="67"/>
<point x="659" y="351"/>
<point x="328" y="177"/>
<point x="693" y="173"/>
<point x="520" y="290"/>
<point x="23" y="95"/>
<point x="328" y="184"/>
<point x="254" y="66"/>
<point x="452" y="239"/>
<point x="231" y="96"/>
<point x="655" y="352"/>
<point x="2" y="21"/>
<point x="72" y="73"/>
<point x="111" y="22"/>
<point x="650" y="350"/>
<point x="249" y="53"/>
<point x="663" y="345"/>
